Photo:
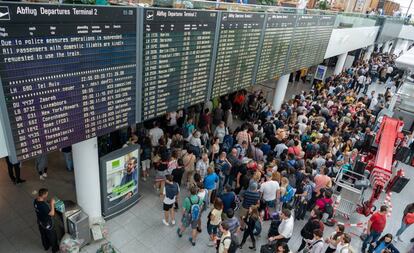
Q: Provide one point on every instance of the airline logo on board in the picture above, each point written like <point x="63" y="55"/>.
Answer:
<point x="4" y="13"/>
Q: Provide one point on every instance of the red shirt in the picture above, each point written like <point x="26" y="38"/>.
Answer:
<point x="378" y="222"/>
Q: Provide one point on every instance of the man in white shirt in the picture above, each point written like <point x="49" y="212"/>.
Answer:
<point x="279" y="149"/>
<point x="374" y="102"/>
<point x="269" y="189"/>
<point x="285" y="229"/>
<point x="155" y="134"/>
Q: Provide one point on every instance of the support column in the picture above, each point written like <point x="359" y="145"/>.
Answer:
<point x="86" y="166"/>
<point x="340" y="63"/>
<point x="368" y="53"/>
<point x="280" y="92"/>
<point x="386" y="47"/>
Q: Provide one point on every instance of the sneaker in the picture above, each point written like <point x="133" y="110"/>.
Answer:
<point x="165" y="222"/>
<point x="191" y="240"/>
<point x="44" y="175"/>
<point x="41" y="177"/>
<point x="20" y="181"/>
<point x="211" y="244"/>
<point x="178" y="233"/>
<point x="173" y="222"/>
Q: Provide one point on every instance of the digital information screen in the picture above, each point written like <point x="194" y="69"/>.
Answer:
<point x="237" y="51"/>
<point x="274" y="53"/>
<point x="303" y="47"/>
<point x="68" y="73"/>
<point x="324" y="31"/>
<point x="177" y="53"/>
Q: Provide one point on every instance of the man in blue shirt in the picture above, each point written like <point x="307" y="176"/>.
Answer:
<point x="228" y="197"/>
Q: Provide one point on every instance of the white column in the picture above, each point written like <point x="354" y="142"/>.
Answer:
<point x="280" y="92"/>
<point x="386" y="47"/>
<point x="368" y="52"/>
<point x="340" y="63"/>
<point x="86" y="165"/>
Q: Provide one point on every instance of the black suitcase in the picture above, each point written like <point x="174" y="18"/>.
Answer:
<point x="268" y="248"/>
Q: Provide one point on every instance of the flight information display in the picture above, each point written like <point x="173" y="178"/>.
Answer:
<point x="274" y="53"/>
<point x="237" y="51"/>
<point x="302" y="51"/>
<point x="178" y="48"/>
<point x="324" y="31"/>
<point x="68" y="73"/>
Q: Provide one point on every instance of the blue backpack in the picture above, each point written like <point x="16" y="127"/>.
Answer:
<point x="288" y="195"/>
<point x="195" y="209"/>
<point x="227" y="143"/>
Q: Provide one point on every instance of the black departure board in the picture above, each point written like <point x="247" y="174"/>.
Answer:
<point x="177" y="53"/>
<point x="237" y="51"/>
<point x="279" y="31"/>
<point x="324" y="31"/>
<point x="68" y="73"/>
<point x="304" y="43"/>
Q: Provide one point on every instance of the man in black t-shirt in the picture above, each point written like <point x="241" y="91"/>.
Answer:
<point x="44" y="213"/>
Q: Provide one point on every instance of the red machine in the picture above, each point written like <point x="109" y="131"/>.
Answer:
<point x="381" y="165"/>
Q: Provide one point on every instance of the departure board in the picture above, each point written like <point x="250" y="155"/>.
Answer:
<point x="178" y="48"/>
<point x="274" y="53"/>
<point x="237" y="51"/>
<point x="304" y="43"/>
<point x="324" y="31"/>
<point x="68" y="73"/>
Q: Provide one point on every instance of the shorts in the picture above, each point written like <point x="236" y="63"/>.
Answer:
<point x="212" y="229"/>
<point x="167" y="207"/>
<point x="186" y="221"/>
<point x="243" y="212"/>
<point x="160" y="175"/>
<point x="271" y="203"/>
<point x="146" y="164"/>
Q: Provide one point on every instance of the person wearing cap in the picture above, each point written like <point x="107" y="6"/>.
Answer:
<point x="251" y="197"/>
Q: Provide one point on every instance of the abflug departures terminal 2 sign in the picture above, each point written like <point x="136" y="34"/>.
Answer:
<point x="68" y="73"/>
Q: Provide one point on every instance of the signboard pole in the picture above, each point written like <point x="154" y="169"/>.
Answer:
<point x="4" y="118"/>
<point x="259" y="49"/>
<point x="140" y="38"/>
<point x="214" y="58"/>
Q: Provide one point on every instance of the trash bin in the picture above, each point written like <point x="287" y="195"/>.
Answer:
<point x="78" y="227"/>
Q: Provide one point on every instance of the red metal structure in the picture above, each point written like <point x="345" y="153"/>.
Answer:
<point x="381" y="165"/>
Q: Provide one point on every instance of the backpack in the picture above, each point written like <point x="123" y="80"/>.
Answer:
<point x="227" y="143"/>
<point x="328" y="208"/>
<point x="186" y="131"/>
<point x="233" y="245"/>
<point x="171" y="190"/>
<point x="288" y="195"/>
<point x="195" y="209"/>
<point x="268" y="129"/>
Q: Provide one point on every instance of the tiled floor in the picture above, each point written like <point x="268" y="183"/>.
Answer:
<point x="139" y="230"/>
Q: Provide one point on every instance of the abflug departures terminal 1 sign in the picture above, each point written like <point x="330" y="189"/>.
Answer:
<point x="68" y="73"/>
<point x="177" y="53"/>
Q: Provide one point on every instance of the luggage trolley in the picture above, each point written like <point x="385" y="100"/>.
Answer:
<point x="348" y="191"/>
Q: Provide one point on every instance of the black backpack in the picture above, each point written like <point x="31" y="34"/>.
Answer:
<point x="234" y="245"/>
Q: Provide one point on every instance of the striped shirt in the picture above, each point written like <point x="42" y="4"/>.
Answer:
<point x="250" y="198"/>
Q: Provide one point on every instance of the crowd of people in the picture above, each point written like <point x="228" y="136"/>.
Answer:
<point x="276" y="166"/>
